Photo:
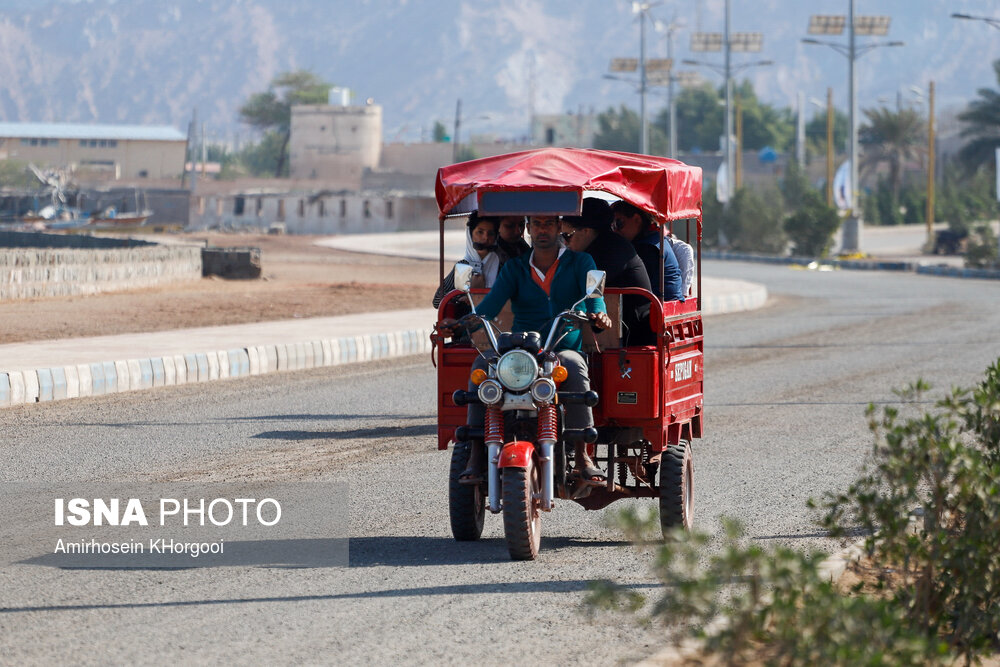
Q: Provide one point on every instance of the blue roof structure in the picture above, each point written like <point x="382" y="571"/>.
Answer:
<point x="76" y="131"/>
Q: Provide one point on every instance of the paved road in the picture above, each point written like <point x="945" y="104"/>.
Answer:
<point x="786" y="390"/>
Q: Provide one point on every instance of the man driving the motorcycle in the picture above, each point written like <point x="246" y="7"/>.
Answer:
<point x="539" y="285"/>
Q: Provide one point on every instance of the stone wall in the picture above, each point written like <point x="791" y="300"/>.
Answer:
<point x="33" y="270"/>
<point x="316" y="213"/>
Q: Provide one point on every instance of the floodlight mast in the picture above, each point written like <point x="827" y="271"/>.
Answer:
<point x="856" y="221"/>
<point x="642" y="9"/>
<point x="871" y="25"/>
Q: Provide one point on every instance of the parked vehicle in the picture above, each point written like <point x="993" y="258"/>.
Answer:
<point x="647" y="400"/>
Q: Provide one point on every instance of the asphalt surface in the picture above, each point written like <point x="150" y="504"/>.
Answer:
<point x="786" y="390"/>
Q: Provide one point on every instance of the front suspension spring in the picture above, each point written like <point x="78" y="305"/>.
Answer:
<point x="493" y="432"/>
<point x="547" y="424"/>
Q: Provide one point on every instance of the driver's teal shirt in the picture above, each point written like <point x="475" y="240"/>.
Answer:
<point x="533" y="308"/>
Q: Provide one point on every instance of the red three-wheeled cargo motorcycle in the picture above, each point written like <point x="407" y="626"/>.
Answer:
<point x="647" y="400"/>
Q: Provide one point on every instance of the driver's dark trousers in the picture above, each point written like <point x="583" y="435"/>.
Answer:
<point x="577" y="416"/>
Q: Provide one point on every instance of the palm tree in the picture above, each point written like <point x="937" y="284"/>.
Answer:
<point x="982" y="119"/>
<point x="892" y="137"/>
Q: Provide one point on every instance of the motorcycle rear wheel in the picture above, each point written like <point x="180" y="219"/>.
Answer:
<point x="466" y="502"/>
<point x="522" y="521"/>
<point x="677" y="488"/>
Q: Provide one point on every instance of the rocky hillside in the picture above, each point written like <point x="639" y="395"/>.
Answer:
<point x="150" y="61"/>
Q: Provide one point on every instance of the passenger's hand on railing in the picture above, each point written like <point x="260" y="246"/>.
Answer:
<point x="448" y="326"/>
<point x="477" y="281"/>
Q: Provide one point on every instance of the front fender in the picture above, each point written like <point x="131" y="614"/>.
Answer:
<point x="516" y="454"/>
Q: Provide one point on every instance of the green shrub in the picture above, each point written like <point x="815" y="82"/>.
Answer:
<point x="944" y="603"/>
<point x="981" y="248"/>
<point x="869" y="209"/>
<point x="773" y="605"/>
<point x="713" y="217"/>
<point x="812" y="227"/>
<point x="752" y="222"/>
<point x="942" y="463"/>
<point x="888" y="207"/>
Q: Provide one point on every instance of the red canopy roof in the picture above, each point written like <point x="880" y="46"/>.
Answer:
<point x="665" y="188"/>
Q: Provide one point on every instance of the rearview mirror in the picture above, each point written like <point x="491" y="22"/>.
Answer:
<point x="595" y="284"/>
<point x="463" y="276"/>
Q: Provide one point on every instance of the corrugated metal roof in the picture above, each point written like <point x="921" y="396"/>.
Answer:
<point x="75" y="131"/>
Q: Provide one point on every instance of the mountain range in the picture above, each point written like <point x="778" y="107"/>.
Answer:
<point x="154" y="61"/>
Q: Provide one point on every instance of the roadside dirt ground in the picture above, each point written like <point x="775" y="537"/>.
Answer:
<point x="299" y="279"/>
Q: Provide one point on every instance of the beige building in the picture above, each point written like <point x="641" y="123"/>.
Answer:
<point x="564" y="130"/>
<point x="334" y="142"/>
<point x="109" y="151"/>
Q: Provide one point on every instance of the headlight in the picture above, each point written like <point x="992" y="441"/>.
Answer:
<point x="517" y="369"/>
<point x="543" y="390"/>
<point x="490" y="392"/>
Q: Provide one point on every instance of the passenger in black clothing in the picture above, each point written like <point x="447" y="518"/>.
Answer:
<point x="591" y="233"/>
<point x="636" y="226"/>
<point x="511" y="236"/>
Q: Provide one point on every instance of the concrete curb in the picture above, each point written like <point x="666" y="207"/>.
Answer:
<point x="959" y="272"/>
<point x="831" y="569"/>
<point x="750" y="298"/>
<point x="110" y="377"/>
<point x="859" y="265"/>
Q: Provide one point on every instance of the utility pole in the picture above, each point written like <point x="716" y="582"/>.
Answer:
<point x="930" y="165"/>
<point x="729" y="101"/>
<point x="829" y="147"/>
<point x="738" y="180"/>
<point x="800" y="130"/>
<point x="454" y="136"/>
<point x="671" y="103"/>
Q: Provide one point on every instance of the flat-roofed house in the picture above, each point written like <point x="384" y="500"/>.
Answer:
<point x="112" y="151"/>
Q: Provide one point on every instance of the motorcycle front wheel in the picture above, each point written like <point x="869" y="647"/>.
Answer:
<point x="522" y="521"/>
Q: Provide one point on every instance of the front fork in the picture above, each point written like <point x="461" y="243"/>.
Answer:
<point x="493" y="439"/>
<point x="547" y="428"/>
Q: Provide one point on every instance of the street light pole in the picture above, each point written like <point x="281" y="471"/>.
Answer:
<point x="989" y="20"/>
<point x="670" y="94"/>
<point x="644" y="124"/>
<point x="853" y="226"/>
<point x="829" y="147"/>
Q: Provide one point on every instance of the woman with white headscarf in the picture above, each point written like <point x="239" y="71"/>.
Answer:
<point x="480" y="252"/>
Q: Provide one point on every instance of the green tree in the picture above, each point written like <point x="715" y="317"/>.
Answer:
<point x="440" y="132"/>
<point x="812" y="226"/>
<point x="795" y="186"/>
<point x="763" y="124"/>
<point x="816" y="133"/>
<point x="15" y="174"/>
<point x="982" y="126"/>
<point x="892" y="138"/>
<point x="887" y="204"/>
<point x="701" y="116"/>
<point x="618" y="130"/>
<point x="752" y="223"/>
<point x="271" y="110"/>
<point x="699" y="119"/>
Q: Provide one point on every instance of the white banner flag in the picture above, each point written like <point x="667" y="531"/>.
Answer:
<point x="842" y="194"/>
